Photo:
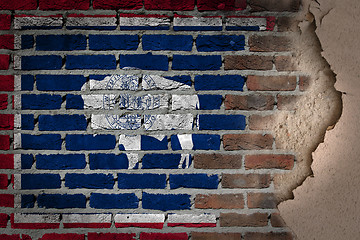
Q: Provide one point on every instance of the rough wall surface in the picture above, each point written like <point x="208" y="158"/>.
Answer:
<point x="326" y="205"/>
<point x="167" y="120"/>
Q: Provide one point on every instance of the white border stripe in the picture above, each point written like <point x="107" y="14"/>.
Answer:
<point x="191" y="218"/>
<point x="91" y="22"/>
<point x="198" y="22"/>
<point x="144" y="22"/>
<point x="17" y="62"/>
<point x="17" y="141"/>
<point x="17" y="161"/>
<point x="245" y="22"/>
<point x="139" y="218"/>
<point x="36" y="218"/>
<point x="87" y="218"/>
<point x="17" y="121"/>
<point x="28" y="21"/>
<point x="17" y="181"/>
<point x="17" y="82"/>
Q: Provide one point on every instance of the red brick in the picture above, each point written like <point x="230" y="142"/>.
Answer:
<point x="4" y="61"/>
<point x="215" y="236"/>
<point x="116" y="4"/>
<point x="218" y="201"/>
<point x="6" y="121"/>
<point x="5" y="21"/>
<point x="7" y="83"/>
<point x="7" y="41"/>
<point x="64" y="236"/>
<point x="18" y="4"/>
<point x="6" y="161"/>
<point x="243" y="220"/>
<point x="276" y="220"/>
<point x="245" y="181"/>
<point x="248" y="62"/>
<point x="304" y="83"/>
<point x="287" y="102"/>
<point x="269" y="43"/>
<point x="6" y="200"/>
<point x="268" y="236"/>
<point x="258" y="122"/>
<point x="177" y="5"/>
<point x="217" y="161"/>
<point x="262" y="200"/>
<point x="249" y="102"/>
<point x="4" y="181"/>
<point x="274" y="5"/>
<point x="4" y="142"/>
<point x="285" y="63"/>
<point x="163" y="236"/>
<point x="247" y="141"/>
<point x="271" y="83"/>
<point x="269" y="161"/>
<point x="3" y="101"/>
<point x="212" y="5"/>
<point x="64" y="4"/>
<point x="111" y="236"/>
<point x="11" y="237"/>
<point x="4" y="218"/>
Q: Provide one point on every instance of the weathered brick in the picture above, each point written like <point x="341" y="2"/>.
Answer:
<point x="3" y="101"/>
<point x="262" y="200"/>
<point x="219" y="201"/>
<point x="7" y="41"/>
<point x="219" y="82"/>
<point x="249" y="102"/>
<point x="221" y="122"/>
<point x="60" y="161"/>
<point x="271" y="83"/>
<point x="18" y="5"/>
<point x="217" y="161"/>
<point x="116" y="4"/>
<point x="288" y="102"/>
<point x="40" y="102"/>
<point x="269" y="43"/>
<point x="215" y="236"/>
<point x="145" y="61"/>
<point x="274" y="5"/>
<point x="285" y="63"/>
<point x="61" y="201"/>
<point x="210" y="43"/>
<point x="113" y="42"/>
<point x="110" y="236"/>
<point x="90" y="62"/>
<point x="268" y="236"/>
<point x="141" y="181"/>
<point x="7" y="200"/>
<point x="246" y="180"/>
<point x="247" y="141"/>
<point x="212" y="5"/>
<point x="64" y="4"/>
<point x="163" y="236"/>
<point x="6" y="161"/>
<point x="46" y="62"/>
<point x="177" y="5"/>
<point x="92" y="181"/>
<point x="41" y="142"/>
<point x="62" y="236"/>
<point x="167" y="42"/>
<point x="4" y="181"/>
<point x="196" y="62"/>
<point x="165" y="202"/>
<point x="90" y="142"/>
<point x="198" y="180"/>
<point x="5" y="21"/>
<point x="4" y="61"/>
<point x="248" y="62"/>
<point x="4" y="142"/>
<point x="269" y="161"/>
<point x="6" y="121"/>
<point x="243" y="220"/>
<point x="304" y="83"/>
<point x="7" y="83"/>
<point x="4" y="218"/>
<point x="40" y="181"/>
<point x="276" y="220"/>
<point x="259" y="122"/>
<point x="60" y="42"/>
<point x="287" y="24"/>
<point x="110" y="201"/>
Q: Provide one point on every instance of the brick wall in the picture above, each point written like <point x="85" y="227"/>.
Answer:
<point x="124" y="120"/>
